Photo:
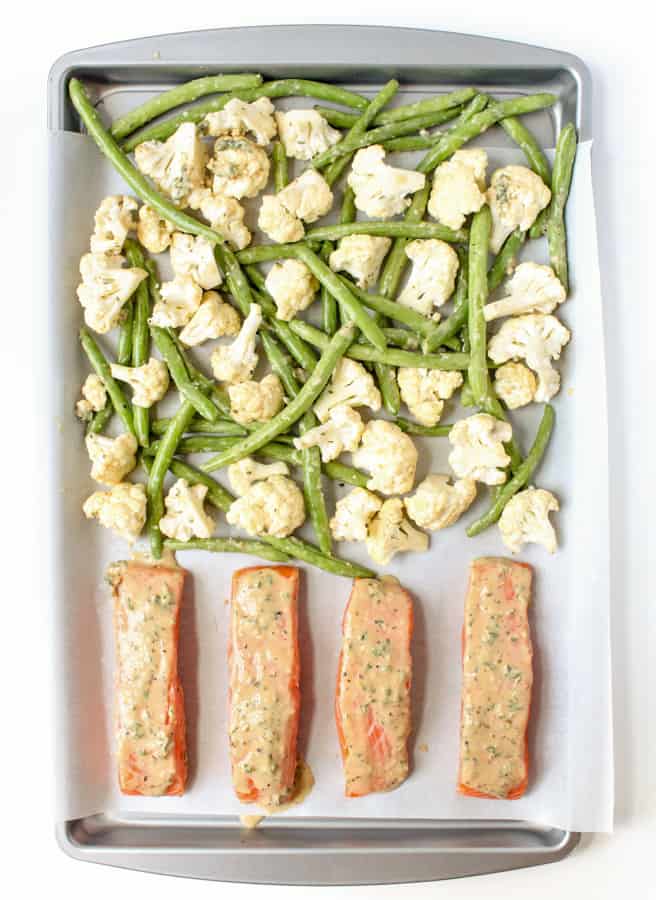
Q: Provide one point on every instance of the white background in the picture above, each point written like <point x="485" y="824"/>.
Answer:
<point x="618" y="51"/>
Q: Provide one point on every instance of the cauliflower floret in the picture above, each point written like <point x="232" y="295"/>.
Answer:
<point x="515" y="384"/>
<point x="214" y="318"/>
<point x="353" y="514"/>
<point x="424" y="391"/>
<point x="177" y="165"/>
<point x="256" y="401"/>
<point x="237" y="118"/>
<point x="225" y="215"/>
<point x="307" y="197"/>
<point x="391" y="533"/>
<point x="112" y="458"/>
<point x="247" y="471"/>
<point x="533" y="288"/>
<point x="478" y="450"/>
<point x="525" y="519"/>
<point x="149" y="382"/>
<point x="341" y="433"/>
<point x="433" y="276"/>
<point x="180" y="300"/>
<point x="277" y="222"/>
<point x="352" y="385"/>
<point x="237" y="361"/>
<point x="273" y="507"/>
<point x="292" y="286"/>
<point x="240" y="168"/>
<point x="94" y="397"/>
<point x="516" y="195"/>
<point x="305" y="133"/>
<point x="458" y="187"/>
<point x="106" y="286"/>
<point x="153" y="231"/>
<point x="361" y="256"/>
<point x="194" y="256"/>
<point x="389" y="456"/>
<point x="437" y="504"/>
<point x="123" y="509"/>
<point x="537" y="339"/>
<point x="381" y="190"/>
<point x="185" y="515"/>
<point x="114" y="219"/>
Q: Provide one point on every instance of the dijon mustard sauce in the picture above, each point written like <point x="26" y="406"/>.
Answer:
<point x="303" y="784"/>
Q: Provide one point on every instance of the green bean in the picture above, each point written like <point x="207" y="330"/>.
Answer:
<point x="479" y="240"/>
<point x="102" y="369"/>
<point x="329" y="309"/>
<point x="388" y="387"/>
<point x="450" y="326"/>
<point x="442" y="102"/>
<point x="155" y="487"/>
<point x="171" y="356"/>
<point x="521" y="476"/>
<point x="97" y="423"/>
<point x="124" y="349"/>
<point x="415" y="142"/>
<point x="281" y="364"/>
<point x="230" y="545"/>
<point x="561" y="180"/>
<point x="235" y="278"/>
<point x="528" y="144"/>
<point x="348" y="212"/>
<point x="347" y="474"/>
<point x="291" y="87"/>
<point x="280" y="167"/>
<point x="222" y="427"/>
<point x="505" y="259"/>
<point x="427" y="430"/>
<point x="140" y="343"/>
<point x="410" y="230"/>
<point x="402" y="338"/>
<point x="139" y="184"/>
<point x="466" y="396"/>
<point x="393" y="310"/>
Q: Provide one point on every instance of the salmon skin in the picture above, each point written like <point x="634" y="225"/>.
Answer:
<point x="372" y="700"/>
<point x="497" y="679"/>
<point x="264" y="691"/>
<point x="150" y="720"/>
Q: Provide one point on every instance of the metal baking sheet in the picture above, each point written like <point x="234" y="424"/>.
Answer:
<point x="312" y="850"/>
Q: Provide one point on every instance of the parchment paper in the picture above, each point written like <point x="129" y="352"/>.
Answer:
<point x="571" y="784"/>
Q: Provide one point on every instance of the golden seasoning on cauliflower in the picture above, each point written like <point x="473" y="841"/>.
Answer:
<point x="94" y="398"/>
<point x="515" y="384"/>
<point x="153" y="232"/>
<point x="391" y="533"/>
<point x="114" y="219"/>
<point x="273" y="507"/>
<point x="185" y="514"/>
<point x="277" y="222"/>
<point x="305" y="133"/>
<point x="532" y="289"/>
<point x="213" y="319"/>
<point x="292" y="286"/>
<point x="361" y="256"/>
<point x="247" y="471"/>
<point x="121" y="509"/>
<point x="424" y="391"/>
<point x="437" y="503"/>
<point x="307" y="197"/>
<point x="351" y="385"/>
<point x="194" y="256"/>
<point x="256" y="401"/>
<point x="149" y="382"/>
<point x="380" y="190"/>
<point x="106" y="287"/>
<point x="177" y="165"/>
<point x="180" y="299"/>
<point x="353" y="514"/>
<point x="112" y="458"/>
<point x="225" y="215"/>
<point x="458" y="187"/>
<point x="237" y="118"/>
<point x="240" y="168"/>
<point x="525" y="519"/>
<point x="433" y="276"/>
<point x="237" y="361"/>
<point x="516" y="196"/>
<point x="390" y="457"/>
<point x="478" y="451"/>
<point x="340" y="433"/>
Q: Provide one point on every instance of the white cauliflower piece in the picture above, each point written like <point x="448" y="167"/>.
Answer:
<point x="106" y="286"/>
<point x="94" y="397"/>
<point x="361" y="256"/>
<point x="352" y="385"/>
<point x="225" y="215"/>
<point x="532" y="288"/>
<point x="433" y="276"/>
<point x="424" y="391"/>
<point x="353" y="514"/>
<point x="391" y="533"/>
<point x="237" y="118"/>
<point x="153" y="231"/>
<point x="112" y="458"/>
<point x="277" y="222"/>
<point x="437" y="504"/>
<point x="273" y="507"/>
<point x="515" y="384"/>
<point x="194" y="256"/>
<point x="537" y="339"/>
<point x="247" y="471"/>
<point x="389" y="456"/>
<point x="122" y="509"/>
<point x="525" y="519"/>
<point x="478" y="450"/>
<point x="292" y="286"/>
<point x="177" y="165"/>
<point x="516" y="195"/>
<point x="458" y="188"/>
<point x="305" y="133"/>
<point x="307" y="197"/>
<point x="180" y="300"/>
<point x="185" y="515"/>
<point x="114" y="219"/>
<point x="213" y="319"/>
<point x="237" y="361"/>
<point x="256" y="401"/>
<point x="240" y="168"/>
<point x="149" y="382"/>
<point x="341" y="433"/>
<point x="380" y="190"/>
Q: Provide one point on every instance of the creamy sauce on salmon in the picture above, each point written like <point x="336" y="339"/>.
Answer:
<point x="497" y="677"/>
<point x="303" y="784"/>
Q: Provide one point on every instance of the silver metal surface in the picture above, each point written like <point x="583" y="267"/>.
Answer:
<point x="297" y="850"/>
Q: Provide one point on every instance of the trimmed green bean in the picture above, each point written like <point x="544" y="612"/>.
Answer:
<point x="414" y="142"/>
<point x="410" y="230"/>
<point x="280" y="167"/>
<point x="402" y="338"/>
<point x="329" y="309"/>
<point x="97" y="424"/>
<point x="526" y="141"/>
<point x="442" y="102"/>
<point x="222" y="427"/>
<point x="347" y="474"/>
<point x="427" y="430"/>
<point x="393" y="310"/>
<point x="124" y="349"/>
<point x="140" y="344"/>
<point x="102" y="369"/>
<point x="230" y="545"/>
<point x="348" y="212"/>
<point x="280" y="363"/>
<point x="505" y="259"/>
<point x="176" y="366"/>
<point x="561" y="181"/>
<point x="479" y="240"/>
